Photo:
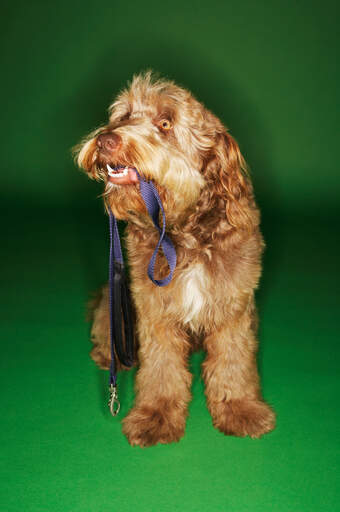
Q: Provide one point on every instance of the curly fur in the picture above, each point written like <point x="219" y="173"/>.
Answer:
<point x="213" y="221"/>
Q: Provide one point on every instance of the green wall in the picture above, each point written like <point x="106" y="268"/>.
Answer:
<point x="268" y="69"/>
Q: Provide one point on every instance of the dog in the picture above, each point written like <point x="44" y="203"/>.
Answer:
<point x="160" y="129"/>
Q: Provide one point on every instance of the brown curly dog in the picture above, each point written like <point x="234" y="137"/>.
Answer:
<point x="164" y="132"/>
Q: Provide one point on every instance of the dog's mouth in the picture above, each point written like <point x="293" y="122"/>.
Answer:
<point x="122" y="175"/>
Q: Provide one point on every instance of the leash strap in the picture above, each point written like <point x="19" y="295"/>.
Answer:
<point x="119" y="294"/>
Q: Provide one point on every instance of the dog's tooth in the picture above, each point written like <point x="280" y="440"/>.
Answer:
<point x="115" y="174"/>
<point x="110" y="170"/>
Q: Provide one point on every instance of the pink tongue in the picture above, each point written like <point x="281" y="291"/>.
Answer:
<point x="129" y="179"/>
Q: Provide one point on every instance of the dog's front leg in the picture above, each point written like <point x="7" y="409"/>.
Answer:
<point x="162" y="386"/>
<point x="232" y="381"/>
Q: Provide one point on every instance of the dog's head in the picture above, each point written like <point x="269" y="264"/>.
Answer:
<point x="161" y="130"/>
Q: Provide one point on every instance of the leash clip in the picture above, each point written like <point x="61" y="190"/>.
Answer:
<point x="114" y="404"/>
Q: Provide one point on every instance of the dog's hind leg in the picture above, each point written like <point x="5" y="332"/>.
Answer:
<point x="162" y="385"/>
<point x="232" y="381"/>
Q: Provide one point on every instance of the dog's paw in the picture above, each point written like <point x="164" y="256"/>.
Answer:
<point x="243" y="417"/>
<point x="147" y="426"/>
<point x="101" y="355"/>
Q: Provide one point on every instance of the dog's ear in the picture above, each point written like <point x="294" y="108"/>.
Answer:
<point x="227" y="173"/>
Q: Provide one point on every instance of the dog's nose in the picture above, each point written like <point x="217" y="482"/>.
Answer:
<point x="108" y="141"/>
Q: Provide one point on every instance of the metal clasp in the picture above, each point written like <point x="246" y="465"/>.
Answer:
<point x="114" y="404"/>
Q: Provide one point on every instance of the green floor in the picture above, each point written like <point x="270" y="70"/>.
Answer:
<point x="61" y="451"/>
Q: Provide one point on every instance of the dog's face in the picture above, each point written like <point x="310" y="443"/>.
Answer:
<point x="161" y="130"/>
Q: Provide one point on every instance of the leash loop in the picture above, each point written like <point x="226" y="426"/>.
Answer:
<point x="154" y="205"/>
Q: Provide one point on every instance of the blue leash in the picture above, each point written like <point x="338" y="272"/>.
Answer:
<point x="119" y="295"/>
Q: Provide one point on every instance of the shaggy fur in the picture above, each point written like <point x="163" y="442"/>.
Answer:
<point x="172" y="139"/>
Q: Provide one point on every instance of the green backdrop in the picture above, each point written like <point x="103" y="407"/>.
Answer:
<point x="270" y="71"/>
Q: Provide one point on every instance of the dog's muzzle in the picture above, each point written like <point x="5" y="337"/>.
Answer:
<point x="108" y="145"/>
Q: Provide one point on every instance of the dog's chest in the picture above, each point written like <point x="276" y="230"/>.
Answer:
<point x="193" y="295"/>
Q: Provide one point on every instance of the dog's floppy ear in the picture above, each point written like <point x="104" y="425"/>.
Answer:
<point x="227" y="173"/>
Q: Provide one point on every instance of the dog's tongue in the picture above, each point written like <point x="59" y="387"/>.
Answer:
<point x="122" y="176"/>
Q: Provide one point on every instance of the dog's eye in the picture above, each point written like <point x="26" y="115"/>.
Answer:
<point x="165" y="124"/>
